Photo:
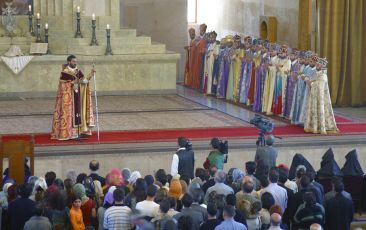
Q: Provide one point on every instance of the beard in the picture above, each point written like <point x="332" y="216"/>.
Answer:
<point x="72" y="66"/>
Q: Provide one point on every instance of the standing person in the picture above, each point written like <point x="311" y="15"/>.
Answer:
<point x="76" y="216"/>
<point x="187" y="76"/>
<point x="338" y="210"/>
<point x="38" y="222"/>
<point x="268" y="154"/>
<point x="117" y="216"/>
<point x="88" y="206"/>
<point x="220" y="187"/>
<point x="229" y="222"/>
<point x="21" y="209"/>
<point x="198" y="46"/>
<point x="73" y="110"/>
<point x="212" y="221"/>
<point x="283" y="67"/>
<point x="216" y="157"/>
<point x="291" y="82"/>
<point x="183" y="160"/>
<point x="320" y="116"/>
<point x="211" y="56"/>
<point x="309" y="212"/>
<point x="279" y="194"/>
<point x="94" y="167"/>
<point x="270" y="80"/>
<point x="148" y="206"/>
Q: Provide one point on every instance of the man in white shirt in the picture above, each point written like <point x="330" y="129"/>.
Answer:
<point x="183" y="160"/>
<point x="279" y="194"/>
<point x="148" y="207"/>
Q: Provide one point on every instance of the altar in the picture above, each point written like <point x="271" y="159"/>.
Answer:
<point x="135" y="65"/>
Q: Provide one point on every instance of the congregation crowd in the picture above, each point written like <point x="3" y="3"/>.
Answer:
<point x="271" y="78"/>
<point x="256" y="195"/>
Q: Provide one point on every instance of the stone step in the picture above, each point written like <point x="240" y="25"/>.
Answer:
<point x="116" y="49"/>
<point x="24" y="47"/>
<point x="16" y="40"/>
<point x="103" y="40"/>
<point x="99" y="33"/>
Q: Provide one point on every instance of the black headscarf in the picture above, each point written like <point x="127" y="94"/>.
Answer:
<point x="352" y="166"/>
<point x="328" y="166"/>
<point x="297" y="160"/>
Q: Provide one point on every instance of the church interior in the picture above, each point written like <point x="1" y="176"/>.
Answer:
<point x="151" y="82"/>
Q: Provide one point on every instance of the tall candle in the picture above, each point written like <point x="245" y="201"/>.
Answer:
<point x="78" y="9"/>
<point x="93" y="16"/>
<point x="30" y="8"/>
<point x="107" y="26"/>
<point x="38" y="16"/>
<point x="46" y="26"/>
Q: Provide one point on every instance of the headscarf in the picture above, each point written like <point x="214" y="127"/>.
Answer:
<point x="115" y="178"/>
<point x="71" y="174"/>
<point x="238" y="175"/>
<point x="352" y="166"/>
<point x="6" y="187"/>
<point x="109" y="196"/>
<point x="41" y="182"/>
<point x="297" y="160"/>
<point x="175" y="189"/>
<point x="126" y="173"/>
<point x="79" y="191"/>
<point x="328" y="166"/>
<point x="12" y="193"/>
<point x="134" y="176"/>
<point x="149" y="180"/>
<point x="32" y="180"/>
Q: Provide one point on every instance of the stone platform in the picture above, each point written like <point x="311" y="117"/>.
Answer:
<point x="116" y="75"/>
<point x="137" y="66"/>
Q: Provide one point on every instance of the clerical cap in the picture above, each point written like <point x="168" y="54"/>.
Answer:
<point x="315" y="58"/>
<point x="248" y="39"/>
<point x="323" y="62"/>
<point x="302" y="54"/>
<point x="237" y="37"/>
<point x="308" y="54"/>
<point x="283" y="49"/>
<point x="229" y="38"/>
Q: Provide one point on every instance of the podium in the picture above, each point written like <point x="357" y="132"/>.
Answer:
<point x="16" y="151"/>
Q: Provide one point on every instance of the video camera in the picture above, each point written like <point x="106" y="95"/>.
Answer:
<point x="264" y="125"/>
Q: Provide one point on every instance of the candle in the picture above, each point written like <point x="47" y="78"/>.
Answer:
<point x="93" y="16"/>
<point x="46" y="26"/>
<point x="78" y="9"/>
<point x="38" y="16"/>
<point x="30" y="8"/>
<point x="107" y="26"/>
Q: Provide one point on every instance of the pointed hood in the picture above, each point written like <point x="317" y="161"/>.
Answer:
<point x="328" y="166"/>
<point x="352" y="166"/>
<point x="297" y="160"/>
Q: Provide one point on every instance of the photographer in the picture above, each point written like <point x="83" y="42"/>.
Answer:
<point x="183" y="159"/>
<point x="218" y="154"/>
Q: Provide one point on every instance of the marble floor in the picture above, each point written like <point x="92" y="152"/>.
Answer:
<point x="186" y="109"/>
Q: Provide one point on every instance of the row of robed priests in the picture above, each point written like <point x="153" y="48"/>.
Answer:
<point x="271" y="78"/>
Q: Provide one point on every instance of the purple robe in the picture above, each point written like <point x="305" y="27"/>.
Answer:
<point x="289" y="94"/>
<point x="225" y="73"/>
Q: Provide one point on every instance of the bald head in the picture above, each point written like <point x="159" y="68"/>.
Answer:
<point x="247" y="179"/>
<point x="316" y="227"/>
<point x="276" y="219"/>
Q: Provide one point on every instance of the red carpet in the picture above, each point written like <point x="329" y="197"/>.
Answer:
<point x="171" y="134"/>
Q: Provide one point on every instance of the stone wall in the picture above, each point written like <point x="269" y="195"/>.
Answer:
<point x="149" y="161"/>
<point x="165" y="21"/>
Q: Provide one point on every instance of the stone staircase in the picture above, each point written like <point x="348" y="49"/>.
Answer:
<point x="123" y="42"/>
